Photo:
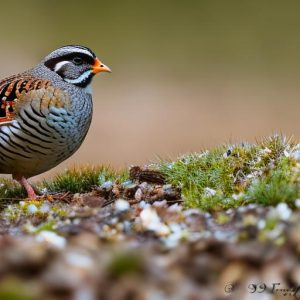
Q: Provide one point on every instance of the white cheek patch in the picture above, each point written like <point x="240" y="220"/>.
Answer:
<point x="81" y="78"/>
<point x="59" y="65"/>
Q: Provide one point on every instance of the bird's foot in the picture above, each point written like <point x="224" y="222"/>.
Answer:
<point x="30" y="191"/>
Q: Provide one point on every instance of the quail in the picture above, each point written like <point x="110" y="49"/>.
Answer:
<point x="45" y="112"/>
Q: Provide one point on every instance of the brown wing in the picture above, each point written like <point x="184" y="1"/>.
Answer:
<point x="10" y="91"/>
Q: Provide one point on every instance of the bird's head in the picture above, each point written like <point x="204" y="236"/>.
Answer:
<point x="75" y="64"/>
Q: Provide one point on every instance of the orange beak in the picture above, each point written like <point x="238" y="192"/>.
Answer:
<point x="98" y="66"/>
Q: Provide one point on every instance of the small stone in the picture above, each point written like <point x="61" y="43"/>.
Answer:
<point x="138" y="194"/>
<point x="297" y="203"/>
<point x="130" y="189"/>
<point x="107" y="185"/>
<point x="80" y="260"/>
<point x="121" y="205"/>
<point x="281" y="211"/>
<point x="174" y="208"/>
<point x="31" y="208"/>
<point x="143" y="204"/>
<point x="162" y="203"/>
<point x="51" y="238"/>
<point x="116" y="190"/>
<point x="296" y="154"/>
<point x="261" y="224"/>
<point x="45" y="208"/>
<point x="151" y="221"/>
<point x="127" y="184"/>
<point x="143" y="185"/>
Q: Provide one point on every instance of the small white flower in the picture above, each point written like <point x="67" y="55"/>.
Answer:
<point x="170" y="165"/>
<point x="237" y="196"/>
<point x="44" y="191"/>
<point x="266" y="151"/>
<point x="208" y="192"/>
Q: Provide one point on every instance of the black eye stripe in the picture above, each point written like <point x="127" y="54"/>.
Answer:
<point x="51" y="63"/>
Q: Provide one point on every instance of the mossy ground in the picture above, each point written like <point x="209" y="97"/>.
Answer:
<point x="267" y="172"/>
<point x="128" y="231"/>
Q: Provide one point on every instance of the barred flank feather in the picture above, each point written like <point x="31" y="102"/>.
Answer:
<point x="38" y="125"/>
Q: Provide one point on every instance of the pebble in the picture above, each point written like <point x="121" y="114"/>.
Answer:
<point x="107" y="185"/>
<point x="138" y="195"/>
<point x="162" y="203"/>
<point x="127" y="184"/>
<point x="80" y="260"/>
<point x="121" y="205"/>
<point x="143" y="204"/>
<point x="45" y="208"/>
<point x="281" y="211"/>
<point x="51" y="238"/>
<point x="31" y="208"/>
<point x="175" y="208"/>
<point x="151" y="221"/>
<point x="296" y="154"/>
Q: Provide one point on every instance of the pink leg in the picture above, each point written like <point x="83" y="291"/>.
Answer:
<point x="30" y="192"/>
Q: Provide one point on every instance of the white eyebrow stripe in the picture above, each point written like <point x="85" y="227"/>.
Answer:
<point x="81" y="78"/>
<point x="60" y="65"/>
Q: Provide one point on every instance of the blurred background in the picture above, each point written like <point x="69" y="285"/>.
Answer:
<point x="187" y="75"/>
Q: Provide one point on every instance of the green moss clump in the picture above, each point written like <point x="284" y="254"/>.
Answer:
<point x="49" y="226"/>
<point x="222" y="170"/>
<point x="124" y="264"/>
<point x="277" y="186"/>
<point x="10" y="189"/>
<point x="266" y="172"/>
<point x="14" y="289"/>
<point x="81" y="179"/>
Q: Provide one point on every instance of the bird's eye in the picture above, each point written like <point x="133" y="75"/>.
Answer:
<point x="77" y="61"/>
